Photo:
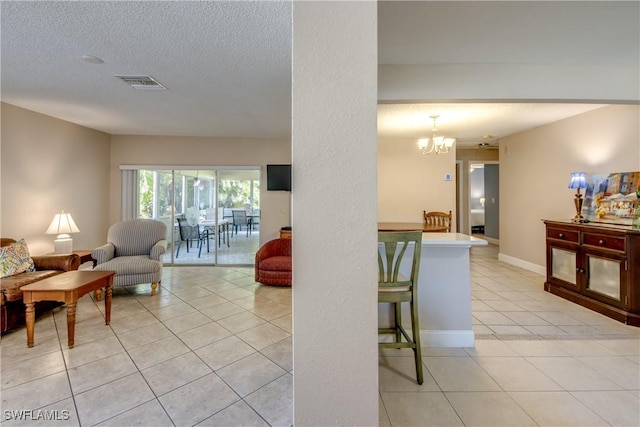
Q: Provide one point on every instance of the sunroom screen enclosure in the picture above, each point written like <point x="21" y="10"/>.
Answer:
<point x="197" y="205"/>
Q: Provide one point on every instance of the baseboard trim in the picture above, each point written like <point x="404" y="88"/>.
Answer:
<point x="523" y="264"/>
<point x="491" y="240"/>
<point x="457" y="338"/>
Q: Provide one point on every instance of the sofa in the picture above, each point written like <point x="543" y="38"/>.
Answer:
<point x="12" y="307"/>
<point x="273" y="263"/>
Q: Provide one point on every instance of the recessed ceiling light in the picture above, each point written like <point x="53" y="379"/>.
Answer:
<point x="92" y="59"/>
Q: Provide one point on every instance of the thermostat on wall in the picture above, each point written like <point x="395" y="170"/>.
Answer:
<point x="447" y="177"/>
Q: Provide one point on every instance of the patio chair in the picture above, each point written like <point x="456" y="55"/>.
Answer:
<point x="191" y="233"/>
<point x="240" y="219"/>
<point x="255" y="219"/>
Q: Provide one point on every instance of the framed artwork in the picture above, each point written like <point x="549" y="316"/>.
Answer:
<point x="611" y="198"/>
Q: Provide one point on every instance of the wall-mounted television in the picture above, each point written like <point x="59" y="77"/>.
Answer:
<point x="279" y="177"/>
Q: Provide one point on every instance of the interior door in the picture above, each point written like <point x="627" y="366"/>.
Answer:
<point x="492" y="201"/>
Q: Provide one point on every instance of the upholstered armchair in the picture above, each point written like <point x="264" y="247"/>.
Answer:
<point x="273" y="263"/>
<point x="134" y="251"/>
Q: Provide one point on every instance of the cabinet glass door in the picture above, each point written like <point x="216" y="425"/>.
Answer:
<point x="563" y="265"/>
<point x="604" y="276"/>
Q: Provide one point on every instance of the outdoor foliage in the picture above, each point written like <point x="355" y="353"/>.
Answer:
<point x="155" y="192"/>
<point x="163" y="194"/>
<point x="235" y="194"/>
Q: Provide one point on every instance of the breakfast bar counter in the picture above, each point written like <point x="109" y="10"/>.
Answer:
<point x="444" y="290"/>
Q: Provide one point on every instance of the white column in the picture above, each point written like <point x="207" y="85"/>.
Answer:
<point x="334" y="202"/>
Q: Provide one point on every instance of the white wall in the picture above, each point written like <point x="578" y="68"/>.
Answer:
<point x="535" y="169"/>
<point x="194" y="151"/>
<point x="335" y="351"/>
<point x="534" y="174"/>
<point x="49" y="165"/>
<point x="410" y="182"/>
<point x="508" y="82"/>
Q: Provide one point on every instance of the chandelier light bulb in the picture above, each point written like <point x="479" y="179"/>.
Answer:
<point x="437" y="144"/>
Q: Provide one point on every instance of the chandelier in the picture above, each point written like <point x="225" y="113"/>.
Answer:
<point x="198" y="182"/>
<point x="437" y="144"/>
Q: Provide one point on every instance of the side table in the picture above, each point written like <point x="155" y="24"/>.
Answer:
<point x="285" y="233"/>
<point x="85" y="256"/>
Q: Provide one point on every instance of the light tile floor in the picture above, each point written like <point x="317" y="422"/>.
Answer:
<point x="241" y="250"/>
<point x="538" y="360"/>
<point x="213" y="348"/>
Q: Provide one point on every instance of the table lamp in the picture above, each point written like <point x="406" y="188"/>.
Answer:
<point x="62" y="225"/>
<point x="578" y="181"/>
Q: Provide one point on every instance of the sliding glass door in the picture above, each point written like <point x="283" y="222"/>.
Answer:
<point x="212" y="215"/>
<point x="239" y="205"/>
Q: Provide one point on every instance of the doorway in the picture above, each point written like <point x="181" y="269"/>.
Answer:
<point x="484" y="200"/>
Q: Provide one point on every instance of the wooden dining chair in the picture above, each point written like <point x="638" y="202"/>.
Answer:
<point x="395" y="289"/>
<point x="437" y="221"/>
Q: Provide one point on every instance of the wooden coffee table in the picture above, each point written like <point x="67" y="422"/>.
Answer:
<point x="67" y="287"/>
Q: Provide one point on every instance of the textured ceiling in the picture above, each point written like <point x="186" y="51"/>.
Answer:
<point x="469" y="122"/>
<point x="227" y="64"/>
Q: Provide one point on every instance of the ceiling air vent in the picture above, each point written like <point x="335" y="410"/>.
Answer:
<point x="487" y="146"/>
<point x="142" y="82"/>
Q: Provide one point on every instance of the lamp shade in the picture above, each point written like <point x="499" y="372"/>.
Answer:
<point x="578" y="180"/>
<point x="62" y="224"/>
<point x="448" y="142"/>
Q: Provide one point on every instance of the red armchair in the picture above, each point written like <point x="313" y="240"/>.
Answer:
<point x="273" y="263"/>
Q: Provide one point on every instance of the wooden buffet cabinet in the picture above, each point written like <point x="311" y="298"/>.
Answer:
<point x="596" y="266"/>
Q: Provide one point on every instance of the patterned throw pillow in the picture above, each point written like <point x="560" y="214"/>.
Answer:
<point x="15" y="259"/>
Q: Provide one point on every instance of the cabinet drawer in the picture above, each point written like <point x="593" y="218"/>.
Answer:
<point x="560" y="234"/>
<point x="604" y="241"/>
